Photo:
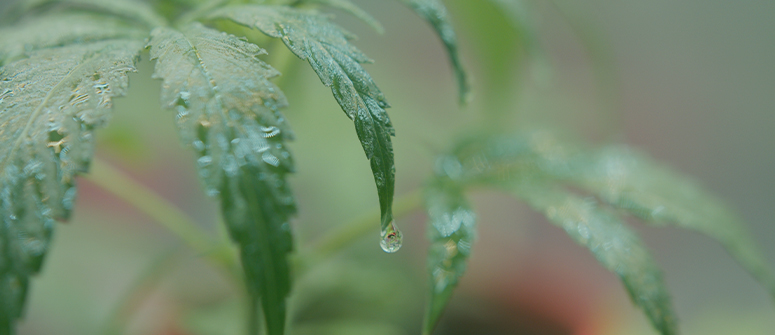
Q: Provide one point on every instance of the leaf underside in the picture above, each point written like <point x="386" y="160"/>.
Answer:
<point x="326" y="47"/>
<point x="538" y="167"/>
<point x="55" y="89"/>
<point x="228" y="113"/>
<point x="435" y="13"/>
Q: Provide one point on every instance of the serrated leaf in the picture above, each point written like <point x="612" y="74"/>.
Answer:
<point x="614" y="246"/>
<point x="614" y="174"/>
<point x="633" y="182"/>
<point x="337" y="62"/>
<point x="353" y="9"/>
<point x="58" y="30"/>
<point x="50" y="103"/>
<point x="435" y="13"/>
<point x="135" y="10"/>
<point x="228" y="112"/>
<point x="451" y="230"/>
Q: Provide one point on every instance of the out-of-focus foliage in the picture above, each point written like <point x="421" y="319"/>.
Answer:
<point x="544" y="171"/>
<point x="62" y="62"/>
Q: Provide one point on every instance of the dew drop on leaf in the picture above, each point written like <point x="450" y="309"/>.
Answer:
<point x="392" y="239"/>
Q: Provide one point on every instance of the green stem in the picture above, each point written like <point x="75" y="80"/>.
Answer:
<point x="345" y="235"/>
<point x="140" y="289"/>
<point x="153" y="205"/>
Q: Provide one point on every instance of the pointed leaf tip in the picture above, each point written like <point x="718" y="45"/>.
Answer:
<point x="327" y="48"/>
<point x="228" y="113"/>
<point x="434" y="12"/>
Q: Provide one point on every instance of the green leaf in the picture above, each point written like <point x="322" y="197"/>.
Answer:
<point x="58" y="30"/>
<point x="435" y="13"/>
<point x="353" y="9"/>
<point x="138" y="11"/>
<point x="337" y="62"/>
<point x="50" y="103"/>
<point x="617" y="176"/>
<point x="614" y="245"/>
<point x="452" y="230"/>
<point x="627" y="180"/>
<point x="228" y="112"/>
<point x="633" y="182"/>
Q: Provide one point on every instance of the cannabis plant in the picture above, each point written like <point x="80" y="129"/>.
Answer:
<point x="63" y="62"/>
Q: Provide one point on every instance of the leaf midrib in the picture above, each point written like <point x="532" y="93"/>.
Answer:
<point x="36" y="112"/>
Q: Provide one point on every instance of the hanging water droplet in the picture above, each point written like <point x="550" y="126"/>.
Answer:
<point x="392" y="239"/>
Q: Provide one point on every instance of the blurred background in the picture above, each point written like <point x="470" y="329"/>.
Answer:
<point x="691" y="82"/>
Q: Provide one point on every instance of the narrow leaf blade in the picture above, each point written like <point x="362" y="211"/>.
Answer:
<point x="435" y="13"/>
<point x="228" y="113"/>
<point x="451" y="230"/>
<point x="656" y="194"/>
<point x="326" y="47"/>
<point x="50" y="103"/>
<point x="614" y="245"/>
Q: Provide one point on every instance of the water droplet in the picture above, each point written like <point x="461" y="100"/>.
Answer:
<point x="392" y="239"/>
<point x="204" y="161"/>
<point x="270" y="159"/>
<point x="269" y="132"/>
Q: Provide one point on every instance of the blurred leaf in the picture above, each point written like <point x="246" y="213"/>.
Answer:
<point x="536" y="165"/>
<point x="654" y="193"/>
<point x="138" y="11"/>
<point x="435" y="13"/>
<point x="624" y="179"/>
<point x="228" y="112"/>
<point x="614" y="245"/>
<point x="353" y="9"/>
<point x="50" y="103"/>
<point x="60" y="29"/>
<point x="327" y="49"/>
<point x="452" y="232"/>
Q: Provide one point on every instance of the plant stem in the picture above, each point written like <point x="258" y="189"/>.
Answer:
<point x="346" y="234"/>
<point x="153" y="205"/>
<point x="139" y="290"/>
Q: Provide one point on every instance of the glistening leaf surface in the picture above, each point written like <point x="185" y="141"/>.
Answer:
<point x="228" y="113"/>
<point x="452" y="230"/>
<point x="353" y="9"/>
<point x="337" y="62"/>
<point x="50" y="104"/>
<point x="435" y="13"/>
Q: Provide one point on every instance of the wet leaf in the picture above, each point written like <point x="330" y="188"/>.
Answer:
<point x="543" y="168"/>
<point x="228" y="113"/>
<point x="452" y="230"/>
<point x="50" y="103"/>
<point x="337" y="62"/>
<point x="614" y="245"/>
<point x="435" y="13"/>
